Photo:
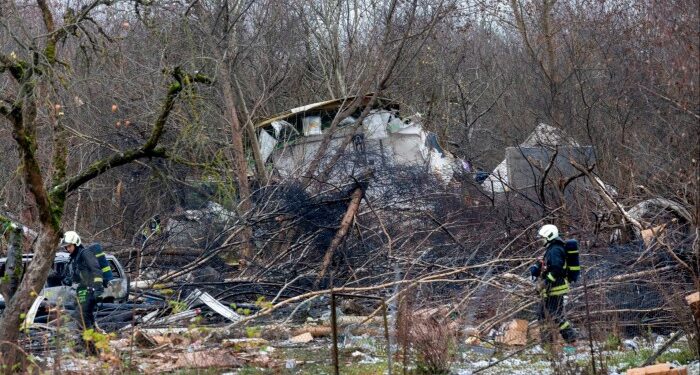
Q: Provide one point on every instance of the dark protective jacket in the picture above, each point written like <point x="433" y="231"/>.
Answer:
<point x="107" y="275"/>
<point x="552" y="269"/>
<point x="86" y="270"/>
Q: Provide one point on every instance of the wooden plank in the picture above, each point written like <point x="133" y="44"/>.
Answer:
<point x="659" y="369"/>
<point x="515" y="333"/>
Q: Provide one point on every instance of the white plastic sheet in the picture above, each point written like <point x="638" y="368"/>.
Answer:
<point x="376" y="123"/>
<point x="267" y="144"/>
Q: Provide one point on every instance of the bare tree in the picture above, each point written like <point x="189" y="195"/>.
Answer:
<point x="32" y="70"/>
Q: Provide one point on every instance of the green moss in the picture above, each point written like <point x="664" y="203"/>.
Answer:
<point x="50" y="52"/>
<point x="57" y="211"/>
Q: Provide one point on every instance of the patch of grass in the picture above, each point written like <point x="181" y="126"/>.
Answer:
<point x="628" y="359"/>
<point x="679" y="353"/>
<point x="682" y="355"/>
<point x="177" y="306"/>
<point x="319" y="369"/>
<point x="253" y="332"/>
<point x="612" y="342"/>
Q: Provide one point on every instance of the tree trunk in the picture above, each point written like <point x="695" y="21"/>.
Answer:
<point x="13" y="266"/>
<point x="240" y="165"/>
<point x="32" y="283"/>
<point x="254" y="144"/>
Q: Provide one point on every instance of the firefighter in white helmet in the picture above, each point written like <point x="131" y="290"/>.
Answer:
<point x="85" y="271"/>
<point x="553" y="286"/>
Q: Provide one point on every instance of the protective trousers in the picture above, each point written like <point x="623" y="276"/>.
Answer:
<point x="552" y="311"/>
<point x="86" y="307"/>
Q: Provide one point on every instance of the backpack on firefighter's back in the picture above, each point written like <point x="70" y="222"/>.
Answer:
<point x="573" y="267"/>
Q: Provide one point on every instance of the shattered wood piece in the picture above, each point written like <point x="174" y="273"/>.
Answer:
<point x="177" y="317"/>
<point x="162" y="340"/>
<point x="141" y="284"/>
<point x="111" y="359"/>
<point x="694" y="303"/>
<point x="31" y="314"/>
<point x="533" y="331"/>
<point x="660" y="369"/>
<point x="515" y="333"/>
<point x="219" y="308"/>
<point x="649" y="235"/>
<point x="174" y="339"/>
<point x="302" y="339"/>
<point x="345" y="320"/>
<point x="315" y="331"/>
<point x="123" y="343"/>
<point x="165" y="331"/>
<point x="144" y="340"/>
<point x="248" y="343"/>
<point x="356" y="198"/>
<point x="472" y="335"/>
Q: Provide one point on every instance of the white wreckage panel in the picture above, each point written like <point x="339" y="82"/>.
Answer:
<point x="543" y="135"/>
<point x="407" y="144"/>
<point x="267" y="144"/>
<point x="408" y="149"/>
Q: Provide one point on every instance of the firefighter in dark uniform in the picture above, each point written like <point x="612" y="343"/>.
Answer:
<point x="553" y="286"/>
<point x="85" y="271"/>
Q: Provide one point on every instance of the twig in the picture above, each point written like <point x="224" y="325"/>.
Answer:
<point x="663" y="348"/>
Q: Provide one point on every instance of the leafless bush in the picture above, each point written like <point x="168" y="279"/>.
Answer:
<point x="427" y="337"/>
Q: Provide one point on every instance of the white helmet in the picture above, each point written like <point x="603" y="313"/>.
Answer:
<point x="70" y="237"/>
<point x="549" y="232"/>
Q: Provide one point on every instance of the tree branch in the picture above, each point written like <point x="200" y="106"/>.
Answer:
<point x="71" y="21"/>
<point x="16" y="67"/>
<point x="148" y="149"/>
